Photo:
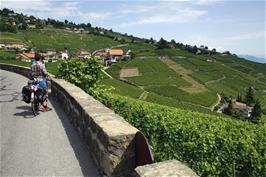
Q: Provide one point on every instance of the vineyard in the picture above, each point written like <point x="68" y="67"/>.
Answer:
<point x="58" y="39"/>
<point x="211" y="145"/>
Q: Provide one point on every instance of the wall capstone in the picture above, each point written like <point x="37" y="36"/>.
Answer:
<point x="170" y="168"/>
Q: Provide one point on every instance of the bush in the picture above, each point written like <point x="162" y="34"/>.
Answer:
<point x="83" y="73"/>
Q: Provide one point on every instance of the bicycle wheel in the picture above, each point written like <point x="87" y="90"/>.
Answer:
<point x="35" y="106"/>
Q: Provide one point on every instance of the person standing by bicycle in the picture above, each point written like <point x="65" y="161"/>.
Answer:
<point x="39" y="72"/>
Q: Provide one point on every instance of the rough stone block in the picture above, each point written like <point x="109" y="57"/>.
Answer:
<point x="170" y="168"/>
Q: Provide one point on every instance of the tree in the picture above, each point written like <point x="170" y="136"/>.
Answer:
<point x="151" y="40"/>
<point x="194" y="49"/>
<point x="66" y="21"/>
<point x="88" y="25"/>
<point x="250" y="96"/>
<point x="162" y="44"/>
<point x="229" y="110"/>
<point x="256" y="112"/>
<point x="173" y="41"/>
<point x="239" y="98"/>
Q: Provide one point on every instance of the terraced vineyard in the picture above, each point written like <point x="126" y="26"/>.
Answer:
<point x="217" y="74"/>
<point x="217" y="77"/>
<point x="58" y="39"/>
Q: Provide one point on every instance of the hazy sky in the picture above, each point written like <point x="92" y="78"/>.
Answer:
<point x="237" y="26"/>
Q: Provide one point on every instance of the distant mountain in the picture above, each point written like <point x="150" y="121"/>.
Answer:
<point x="253" y="58"/>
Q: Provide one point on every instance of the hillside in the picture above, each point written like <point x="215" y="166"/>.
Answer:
<point x="211" y="74"/>
<point x="219" y="74"/>
<point x="176" y="77"/>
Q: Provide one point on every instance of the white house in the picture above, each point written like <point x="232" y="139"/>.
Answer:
<point x="64" y="55"/>
<point x="32" y="26"/>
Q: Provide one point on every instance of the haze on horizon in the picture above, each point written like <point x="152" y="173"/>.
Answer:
<point x="237" y="26"/>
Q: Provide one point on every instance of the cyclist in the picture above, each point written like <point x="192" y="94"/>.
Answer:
<point x="39" y="72"/>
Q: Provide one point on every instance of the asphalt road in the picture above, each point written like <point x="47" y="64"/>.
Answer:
<point x="46" y="145"/>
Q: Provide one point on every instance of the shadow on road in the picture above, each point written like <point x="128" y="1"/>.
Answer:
<point x="27" y="113"/>
<point x="81" y="152"/>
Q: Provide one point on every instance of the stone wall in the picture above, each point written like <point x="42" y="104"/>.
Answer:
<point x="109" y="137"/>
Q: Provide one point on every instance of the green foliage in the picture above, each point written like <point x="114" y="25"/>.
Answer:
<point x="250" y="96"/>
<point x="239" y="98"/>
<point x="7" y="55"/>
<point x="229" y="110"/>
<point x="83" y="73"/>
<point x="209" y="144"/>
<point x="256" y="112"/>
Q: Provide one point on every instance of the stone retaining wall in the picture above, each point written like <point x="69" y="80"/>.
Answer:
<point x="109" y="137"/>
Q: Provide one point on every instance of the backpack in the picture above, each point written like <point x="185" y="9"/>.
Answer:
<point x="26" y="94"/>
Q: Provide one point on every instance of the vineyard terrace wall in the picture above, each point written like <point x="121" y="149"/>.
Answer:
<point x="110" y="138"/>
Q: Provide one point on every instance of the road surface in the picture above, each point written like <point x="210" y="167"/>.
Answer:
<point x="46" y="145"/>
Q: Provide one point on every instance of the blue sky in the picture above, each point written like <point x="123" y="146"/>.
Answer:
<point x="237" y="26"/>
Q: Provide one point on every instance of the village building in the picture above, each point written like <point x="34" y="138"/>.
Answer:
<point x="101" y="54"/>
<point x="172" y="46"/>
<point x="83" y="54"/>
<point x="23" y="50"/>
<point x="31" y="26"/>
<point x="50" y="52"/>
<point x="2" y="46"/>
<point x="81" y="30"/>
<point x="242" y="107"/>
<point x="64" y="55"/>
<point x="13" y="46"/>
<point x="115" y="53"/>
<point x="25" y="56"/>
